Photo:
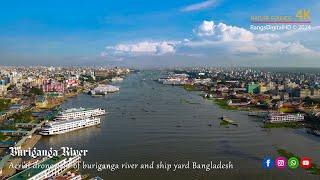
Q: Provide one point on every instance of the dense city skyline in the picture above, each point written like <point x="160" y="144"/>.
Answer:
<point x="154" y="34"/>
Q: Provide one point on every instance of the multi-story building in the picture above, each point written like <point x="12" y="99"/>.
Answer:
<point x="263" y="88"/>
<point x="253" y="88"/>
<point x="52" y="86"/>
<point x="72" y="83"/>
<point x="313" y="93"/>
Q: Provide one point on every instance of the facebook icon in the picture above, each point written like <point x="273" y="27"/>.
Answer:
<point x="267" y="162"/>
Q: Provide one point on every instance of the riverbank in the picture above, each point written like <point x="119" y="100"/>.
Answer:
<point x="222" y="103"/>
<point x="189" y="87"/>
<point x="54" y="102"/>
<point x="283" y="125"/>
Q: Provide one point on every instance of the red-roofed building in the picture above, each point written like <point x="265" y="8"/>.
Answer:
<point x="52" y="86"/>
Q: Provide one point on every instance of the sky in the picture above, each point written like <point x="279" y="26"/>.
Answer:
<point x="150" y="33"/>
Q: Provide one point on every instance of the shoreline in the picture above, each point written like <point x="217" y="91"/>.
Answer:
<point x="222" y="104"/>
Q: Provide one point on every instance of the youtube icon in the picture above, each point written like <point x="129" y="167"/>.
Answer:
<point x="306" y="162"/>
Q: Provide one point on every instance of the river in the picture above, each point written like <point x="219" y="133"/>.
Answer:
<point x="148" y="121"/>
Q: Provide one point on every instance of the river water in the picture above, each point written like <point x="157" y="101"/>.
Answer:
<point x="148" y="121"/>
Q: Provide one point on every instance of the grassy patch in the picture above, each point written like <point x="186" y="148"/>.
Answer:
<point x="288" y="110"/>
<point x="282" y="125"/>
<point x="224" y="123"/>
<point x="315" y="169"/>
<point x="222" y="103"/>
<point x="2" y="137"/>
<point x="4" y="104"/>
<point x="36" y="91"/>
<point x="189" y="87"/>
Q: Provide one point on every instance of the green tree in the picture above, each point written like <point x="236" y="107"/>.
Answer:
<point x="2" y="137"/>
<point x="36" y="91"/>
<point x="4" y="103"/>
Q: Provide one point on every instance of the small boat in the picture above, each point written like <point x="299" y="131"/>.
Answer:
<point x="228" y="120"/>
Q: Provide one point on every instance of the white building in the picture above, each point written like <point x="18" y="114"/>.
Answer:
<point x="282" y="117"/>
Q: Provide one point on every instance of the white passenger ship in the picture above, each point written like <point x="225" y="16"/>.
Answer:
<point x="60" y="127"/>
<point x="79" y="113"/>
<point x="282" y="117"/>
<point x="104" y="89"/>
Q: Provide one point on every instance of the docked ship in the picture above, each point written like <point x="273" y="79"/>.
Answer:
<point x="50" y="168"/>
<point x="79" y="113"/>
<point x="117" y="79"/>
<point x="60" y="127"/>
<point x="104" y="89"/>
<point x="282" y="117"/>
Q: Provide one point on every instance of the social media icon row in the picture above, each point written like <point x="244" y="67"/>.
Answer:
<point x="282" y="162"/>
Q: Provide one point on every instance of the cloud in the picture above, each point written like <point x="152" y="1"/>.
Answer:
<point x="296" y="48"/>
<point x="206" y="28"/>
<point x="217" y="40"/>
<point x="199" y="6"/>
<point x="233" y="33"/>
<point x="274" y="48"/>
<point x="301" y="30"/>
<point x="144" y="47"/>
<point x="223" y="32"/>
<point x="230" y="39"/>
<point x="266" y="36"/>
